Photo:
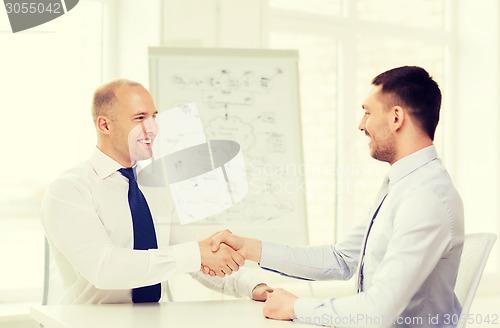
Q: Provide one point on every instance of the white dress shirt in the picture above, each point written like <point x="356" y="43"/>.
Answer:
<point x="412" y="255"/>
<point x="87" y="221"/>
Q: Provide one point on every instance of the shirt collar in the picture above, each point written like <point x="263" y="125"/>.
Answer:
<point x="410" y="163"/>
<point x="103" y="164"/>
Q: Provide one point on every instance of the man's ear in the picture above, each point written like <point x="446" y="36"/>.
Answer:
<point x="103" y="124"/>
<point x="398" y="116"/>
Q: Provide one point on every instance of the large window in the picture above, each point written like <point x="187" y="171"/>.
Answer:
<point x="318" y="78"/>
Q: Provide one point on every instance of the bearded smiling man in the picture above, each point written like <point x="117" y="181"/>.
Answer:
<point x="407" y="250"/>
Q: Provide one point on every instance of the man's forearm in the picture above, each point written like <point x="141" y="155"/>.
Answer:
<point x="252" y="249"/>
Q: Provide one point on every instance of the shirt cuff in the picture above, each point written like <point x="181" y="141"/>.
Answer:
<point x="187" y="256"/>
<point x="247" y="283"/>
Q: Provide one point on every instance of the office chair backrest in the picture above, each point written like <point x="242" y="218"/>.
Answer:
<point x="477" y="248"/>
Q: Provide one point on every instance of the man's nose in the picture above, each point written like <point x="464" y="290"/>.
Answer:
<point x="361" y="125"/>
<point x="150" y="126"/>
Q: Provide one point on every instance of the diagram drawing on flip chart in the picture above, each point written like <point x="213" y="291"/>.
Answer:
<point x="251" y="98"/>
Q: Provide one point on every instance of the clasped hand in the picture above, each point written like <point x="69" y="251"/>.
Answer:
<point x="221" y="261"/>
<point x="222" y="253"/>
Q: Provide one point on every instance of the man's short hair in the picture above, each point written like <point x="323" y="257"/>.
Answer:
<point x="412" y="87"/>
<point x="105" y="98"/>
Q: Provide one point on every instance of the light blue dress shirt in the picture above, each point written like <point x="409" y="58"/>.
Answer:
<point x="411" y="261"/>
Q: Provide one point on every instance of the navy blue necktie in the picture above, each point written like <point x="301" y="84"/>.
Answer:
<point x="144" y="233"/>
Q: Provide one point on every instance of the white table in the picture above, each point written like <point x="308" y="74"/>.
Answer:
<point x="237" y="313"/>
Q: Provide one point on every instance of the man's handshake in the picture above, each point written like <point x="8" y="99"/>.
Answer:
<point x="221" y="262"/>
<point x="222" y="253"/>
